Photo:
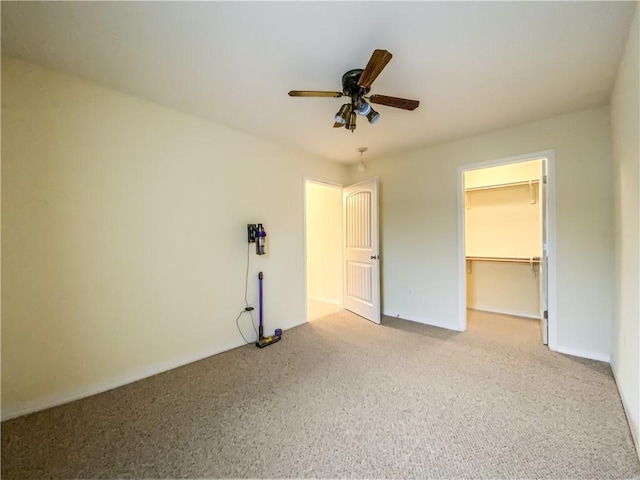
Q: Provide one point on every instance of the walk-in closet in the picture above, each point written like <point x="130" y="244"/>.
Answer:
<point x="504" y="231"/>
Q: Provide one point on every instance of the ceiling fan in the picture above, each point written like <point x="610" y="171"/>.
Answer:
<point x="356" y="84"/>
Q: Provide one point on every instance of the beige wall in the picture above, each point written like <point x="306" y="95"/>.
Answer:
<point x="419" y="225"/>
<point x="625" y="103"/>
<point x="324" y="243"/>
<point x="502" y="222"/>
<point x="124" y="236"/>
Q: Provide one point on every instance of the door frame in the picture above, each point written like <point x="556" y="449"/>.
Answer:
<point x="550" y="156"/>
<point x="327" y="183"/>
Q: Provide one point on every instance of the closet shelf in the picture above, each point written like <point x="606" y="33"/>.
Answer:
<point x="533" y="262"/>
<point x="502" y="185"/>
<point x="530" y="183"/>
<point x="504" y="259"/>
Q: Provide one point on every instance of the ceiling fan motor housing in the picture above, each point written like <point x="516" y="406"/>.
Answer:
<point x="350" y="85"/>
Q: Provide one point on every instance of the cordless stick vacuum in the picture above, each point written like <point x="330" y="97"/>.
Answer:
<point x="262" y="340"/>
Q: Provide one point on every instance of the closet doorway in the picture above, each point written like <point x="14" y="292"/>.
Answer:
<point x="323" y="238"/>
<point x="505" y="240"/>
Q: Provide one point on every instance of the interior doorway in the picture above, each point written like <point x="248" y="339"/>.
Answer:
<point x="323" y="246"/>
<point x="342" y="249"/>
<point x="506" y="240"/>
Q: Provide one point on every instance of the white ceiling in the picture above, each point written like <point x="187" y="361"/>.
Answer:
<point x="474" y="66"/>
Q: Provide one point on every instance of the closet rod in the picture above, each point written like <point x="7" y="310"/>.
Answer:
<point x="500" y="185"/>
<point x="504" y="259"/>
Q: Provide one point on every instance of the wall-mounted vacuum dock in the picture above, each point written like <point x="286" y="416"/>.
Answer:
<point x="257" y="235"/>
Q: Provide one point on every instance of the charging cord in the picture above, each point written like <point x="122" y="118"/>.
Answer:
<point x="252" y="323"/>
<point x="247" y="308"/>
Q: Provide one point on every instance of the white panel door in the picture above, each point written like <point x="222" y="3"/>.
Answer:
<point x="361" y="253"/>
<point x="544" y="259"/>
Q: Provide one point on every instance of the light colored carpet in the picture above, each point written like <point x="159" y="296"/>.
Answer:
<point x="344" y="398"/>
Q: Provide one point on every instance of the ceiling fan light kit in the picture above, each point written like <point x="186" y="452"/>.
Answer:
<point x="364" y="108"/>
<point x="356" y="84"/>
<point x="351" y="123"/>
<point x="343" y="113"/>
<point x="373" y="116"/>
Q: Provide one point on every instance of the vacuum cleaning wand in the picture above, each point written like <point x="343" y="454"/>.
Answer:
<point x="262" y="340"/>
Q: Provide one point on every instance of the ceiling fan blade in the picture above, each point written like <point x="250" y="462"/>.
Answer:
<point x="403" y="103"/>
<point x="313" y="93"/>
<point x="377" y="62"/>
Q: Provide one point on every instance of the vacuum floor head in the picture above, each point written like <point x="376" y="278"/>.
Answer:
<point x="266" y="341"/>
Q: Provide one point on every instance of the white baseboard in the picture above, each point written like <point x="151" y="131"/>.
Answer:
<point x="576" y="352"/>
<point x="297" y="324"/>
<point x="511" y="313"/>
<point x="50" y="401"/>
<point x="635" y="429"/>
<point x="331" y="301"/>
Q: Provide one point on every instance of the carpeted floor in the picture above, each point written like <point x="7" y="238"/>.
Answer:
<point x="344" y="398"/>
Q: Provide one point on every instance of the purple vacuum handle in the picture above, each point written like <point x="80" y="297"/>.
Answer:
<point x="260" y="329"/>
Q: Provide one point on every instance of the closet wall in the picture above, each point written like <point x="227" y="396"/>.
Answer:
<point x="502" y="234"/>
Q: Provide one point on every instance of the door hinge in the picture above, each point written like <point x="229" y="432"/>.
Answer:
<point x="544" y="179"/>
<point x="546" y="315"/>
